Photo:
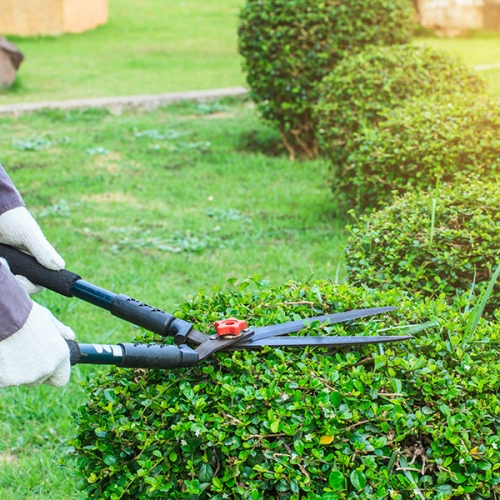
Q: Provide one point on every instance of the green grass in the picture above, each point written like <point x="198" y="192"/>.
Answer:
<point x="114" y="216"/>
<point x="477" y="49"/>
<point x="147" y="46"/>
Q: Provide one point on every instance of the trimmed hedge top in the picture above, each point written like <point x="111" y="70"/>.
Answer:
<point x="433" y="243"/>
<point x="290" y="45"/>
<point x="421" y="142"/>
<point x="419" y="419"/>
<point x="360" y="88"/>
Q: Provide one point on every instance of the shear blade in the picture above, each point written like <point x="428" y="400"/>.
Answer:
<point x="314" y="341"/>
<point x="329" y="319"/>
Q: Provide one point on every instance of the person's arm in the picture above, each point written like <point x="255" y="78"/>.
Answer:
<point x="9" y="195"/>
<point x="33" y="349"/>
<point x="15" y="304"/>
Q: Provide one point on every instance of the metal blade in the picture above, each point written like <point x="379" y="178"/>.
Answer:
<point x="215" y="343"/>
<point x="296" y="326"/>
<point x="315" y="341"/>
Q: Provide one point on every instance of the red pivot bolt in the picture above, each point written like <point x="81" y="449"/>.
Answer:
<point x="230" y="326"/>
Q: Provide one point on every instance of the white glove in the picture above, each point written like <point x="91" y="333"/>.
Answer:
<point x="19" y="229"/>
<point x="25" y="282"/>
<point x="37" y="353"/>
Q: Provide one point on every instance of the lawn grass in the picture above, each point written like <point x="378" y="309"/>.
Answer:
<point x="147" y="47"/>
<point x="477" y="49"/>
<point x="117" y="195"/>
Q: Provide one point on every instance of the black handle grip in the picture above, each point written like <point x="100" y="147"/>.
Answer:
<point x="26" y="265"/>
<point x="152" y="319"/>
<point x="128" y="355"/>
<point x="71" y="285"/>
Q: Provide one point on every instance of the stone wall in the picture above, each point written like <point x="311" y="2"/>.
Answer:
<point x="51" y="17"/>
<point x="81" y="15"/>
<point x="457" y="17"/>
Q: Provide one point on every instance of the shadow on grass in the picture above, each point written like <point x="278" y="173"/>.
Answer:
<point x="261" y="140"/>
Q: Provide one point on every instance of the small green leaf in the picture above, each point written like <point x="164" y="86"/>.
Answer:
<point x="336" y="479"/>
<point x="299" y="447"/>
<point x="110" y="460"/>
<point x="206" y="473"/>
<point x="358" y="480"/>
<point x="110" y="395"/>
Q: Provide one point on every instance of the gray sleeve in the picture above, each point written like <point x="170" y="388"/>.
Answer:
<point x="9" y="195"/>
<point x="15" y="304"/>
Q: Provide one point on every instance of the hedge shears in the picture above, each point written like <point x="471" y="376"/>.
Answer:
<point x="231" y="334"/>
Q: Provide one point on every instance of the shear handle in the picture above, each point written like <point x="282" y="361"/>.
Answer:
<point x="128" y="355"/>
<point x="71" y="285"/>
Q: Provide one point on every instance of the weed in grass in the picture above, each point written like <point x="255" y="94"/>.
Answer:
<point x="208" y="108"/>
<point x="35" y="143"/>
<point x="97" y="151"/>
<point x="60" y="209"/>
<point x="187" y="241"/>
<point x="159" y="136"/>
<point x="229" y="214"/>
<point x="183" y="147"/>
<point x="476" y="313"/>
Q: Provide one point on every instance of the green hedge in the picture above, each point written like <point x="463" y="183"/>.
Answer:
<point x="420" y="143"/>
<point x="353" y="96"/>
<point x="418" y="419"/>
<point x="288" y="46"/>
<point x="446" y="246"/>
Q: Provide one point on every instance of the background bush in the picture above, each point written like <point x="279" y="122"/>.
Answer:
<point x="417" y="419"/>
<point x="353" y="96"/>
<point x="290" y="45"/>
<point x="402" y="245"/>
<point x="419" y="143"/>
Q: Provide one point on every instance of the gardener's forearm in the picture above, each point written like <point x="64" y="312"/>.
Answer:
<point x="9" y="195"/>
<point x="15" y="304"/>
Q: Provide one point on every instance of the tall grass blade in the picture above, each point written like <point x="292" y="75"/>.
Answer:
<point x="471" y="292"/>
<point x="478" y="310"/>
<point x="337" y="272"/>
<point x="433" y="219"/>
<point x="433" y="212"/>
<point x="411" y="329"/>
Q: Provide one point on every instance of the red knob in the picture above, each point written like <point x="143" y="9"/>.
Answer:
<point x="230" y="326"/>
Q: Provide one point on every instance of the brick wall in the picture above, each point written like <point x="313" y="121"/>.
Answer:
<point x="456" y="17"/>
<point x="81" y="15"/>
<point x="50" y="17"/>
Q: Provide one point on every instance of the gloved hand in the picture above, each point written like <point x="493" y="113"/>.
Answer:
<point x="19" y="229"/>
<point x="37" y="353"/>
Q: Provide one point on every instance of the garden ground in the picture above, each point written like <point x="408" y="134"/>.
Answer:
<point x="157" y="206"/>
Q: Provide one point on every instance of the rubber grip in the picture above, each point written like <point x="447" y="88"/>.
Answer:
<point x="141" y="314"/>
<point x="127" y="355"/>
<point x="26" y="265"/>
<point x="158" y="356"/>
<point x="74" y="352"/>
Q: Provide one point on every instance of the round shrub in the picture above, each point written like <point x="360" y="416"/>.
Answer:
<point x="418" y="144"/>
<point x="288" y="46"/>
<point x="360" y="87"/>
<point x="415" y="419"/>
<point x="434" y="243"/>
